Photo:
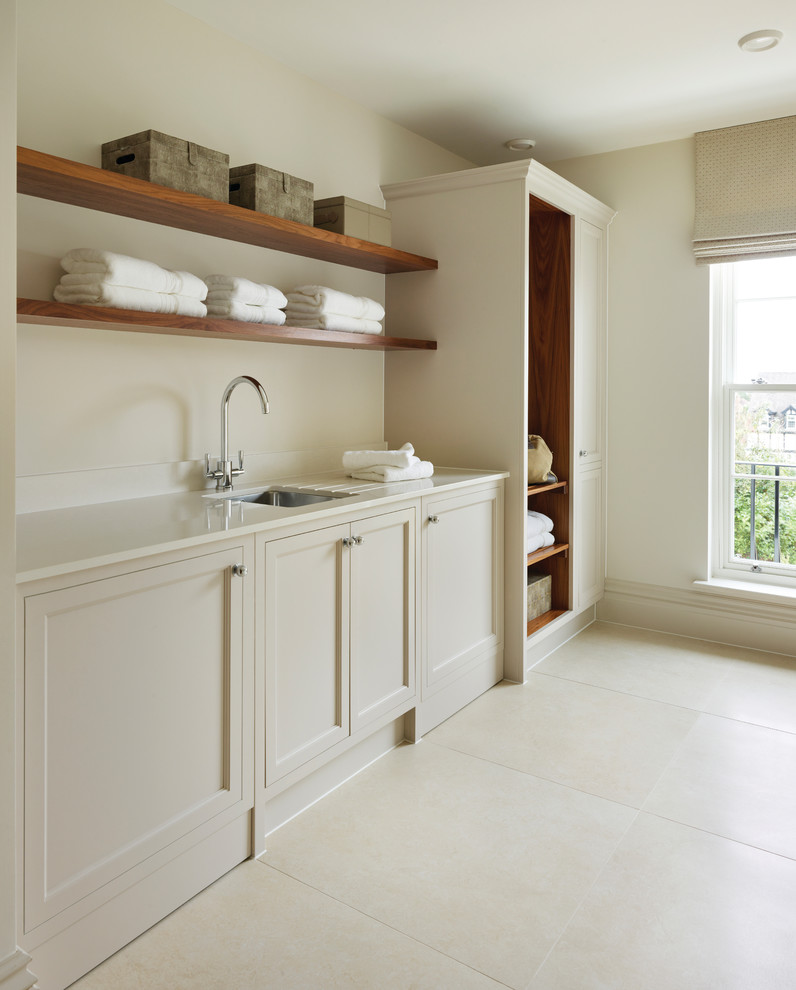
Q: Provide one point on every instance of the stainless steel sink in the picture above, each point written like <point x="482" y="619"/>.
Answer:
<point x="288" y="499"/>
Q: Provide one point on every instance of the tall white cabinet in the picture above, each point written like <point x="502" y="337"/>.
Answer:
<point x="517" y="307"/>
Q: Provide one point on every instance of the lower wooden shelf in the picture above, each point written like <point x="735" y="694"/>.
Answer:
<point x="545" y="552"/>
<point x="542" y="620"/>
<point x="37" y="311"/>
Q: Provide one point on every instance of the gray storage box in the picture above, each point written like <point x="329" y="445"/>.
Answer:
<point x="266" y="190"/>
<point x="348" y="216"/>
<point x="170" y="161"/>
<point x="539" y="599"/>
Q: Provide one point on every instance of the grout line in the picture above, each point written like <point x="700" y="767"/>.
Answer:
<point x="385" y="924"/>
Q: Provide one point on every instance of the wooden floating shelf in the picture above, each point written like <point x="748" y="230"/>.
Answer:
<point x="545" y="552"/>
<point x="36" y="311"/>
<point x="538" y="623"/>
<point x="544" y="487"/>
<point x="64" y="181"/>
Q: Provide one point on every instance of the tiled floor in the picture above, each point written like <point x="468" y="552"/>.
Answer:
<point x="624" y="821"/>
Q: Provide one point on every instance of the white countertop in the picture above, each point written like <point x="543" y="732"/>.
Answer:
<point x="61" y="541"/>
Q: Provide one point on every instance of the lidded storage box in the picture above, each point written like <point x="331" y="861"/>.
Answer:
<point x="266" y="190"/>
<point x="348" y="216"/>
<point x="539" y="595"/>
<point x="170" y="161"/>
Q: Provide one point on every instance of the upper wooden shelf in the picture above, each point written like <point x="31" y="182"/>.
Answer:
<point x="36" y="311"/>
<point x="64" y="181"/>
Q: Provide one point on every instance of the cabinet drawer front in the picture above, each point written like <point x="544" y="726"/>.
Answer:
<point x="306" y="647"/>
<point x="382" y="615"/>
<point x="462" y="575"/>
<point x="133" y="721"/>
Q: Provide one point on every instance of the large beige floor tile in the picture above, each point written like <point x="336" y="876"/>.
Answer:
<point x="480" y="862"/>
<point x="680" y="909"/>
<point x="647" y="664"/>
<point x="256" y="929"/>
<point x="759" y="688"/>
<point x="610" y="744"/>
<point x="736" y="780"/>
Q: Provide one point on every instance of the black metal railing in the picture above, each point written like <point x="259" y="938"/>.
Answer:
<point x="775" y="474"/>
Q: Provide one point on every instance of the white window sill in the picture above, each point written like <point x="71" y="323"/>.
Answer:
<point x="749" y="590"/>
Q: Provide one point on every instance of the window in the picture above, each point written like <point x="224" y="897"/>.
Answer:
<point x="754" y="420"/>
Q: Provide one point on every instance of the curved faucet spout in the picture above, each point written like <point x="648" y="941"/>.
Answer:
<point x="224" y="471"/>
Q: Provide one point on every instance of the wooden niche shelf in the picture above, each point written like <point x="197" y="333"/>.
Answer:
<point x="63" y="181"/>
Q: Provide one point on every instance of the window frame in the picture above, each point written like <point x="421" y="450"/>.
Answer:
<point x="723" y="564"/>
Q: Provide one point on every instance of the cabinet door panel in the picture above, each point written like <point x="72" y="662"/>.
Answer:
<point x="589" y="540"/>
<point x="382" y="615"/>
<point x="133" y="721"/>
<point x="462" y="572"/>
<point x="588" y="356"/>
<point x="306" y="647"/>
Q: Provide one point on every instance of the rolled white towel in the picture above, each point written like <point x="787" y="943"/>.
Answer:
<point x="331" y="321"/>
<point x="124" y="297"/>
<point x="538" y="522"/>
<point x="238" y="289"/>
<point x="245" y="312"/>
<point x="357" y="460"/>
<point x="384" y="474"/>
<point x="332" y="301"/>
<point x="120" y="269"/>
<point x="533" y="543"/>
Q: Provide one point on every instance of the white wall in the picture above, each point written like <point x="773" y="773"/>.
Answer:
<point x="658" y="364"/>
<point x="105" y="415"/>
<point x="9" y="962"/>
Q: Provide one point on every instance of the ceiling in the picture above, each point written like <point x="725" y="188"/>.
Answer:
<point x="578" y="76"/>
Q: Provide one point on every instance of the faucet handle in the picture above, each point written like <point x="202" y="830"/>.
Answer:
<point x="239" y="468"/>
<point x="212" y="473"/>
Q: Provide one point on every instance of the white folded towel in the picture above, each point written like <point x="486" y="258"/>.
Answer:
<point x="356" y="460"/>
<point x="246" y="312"/>
<point x="238" y="289"/>
<point x="331" y="321"/>
<point x="120" y="269"/>
<point x="538" y="522"/>
<point x="384" y="474"/>
<point x="533" y="543"/>
<point x="332" y="301"/>
<point x="124" y="297"/>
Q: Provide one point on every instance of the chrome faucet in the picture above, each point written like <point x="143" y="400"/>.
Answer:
<point x="224" y="471"/>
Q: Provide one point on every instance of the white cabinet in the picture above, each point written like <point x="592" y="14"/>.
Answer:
<point x="338" y="610"/>
<point x="138" y="745"/>
<point x="589" y="539"/>
<point x="518" y="309"/>
<point x="462" y="596"/>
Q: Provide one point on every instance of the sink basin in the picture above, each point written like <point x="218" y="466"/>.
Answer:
<point x="288" y="499"/>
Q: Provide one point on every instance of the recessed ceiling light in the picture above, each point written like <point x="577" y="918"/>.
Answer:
<point x="520" y="144"/>
<point x="760" y="41"/>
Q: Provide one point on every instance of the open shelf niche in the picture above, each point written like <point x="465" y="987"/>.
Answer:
<point x="549" y="373"/>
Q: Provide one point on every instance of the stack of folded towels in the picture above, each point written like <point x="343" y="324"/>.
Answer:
<point x="538" y="532"/>
<point x="102" y="278"/>
<point x="319" y="308"/>
<point x="386" y="465"/>
<point x="233" y="298"/>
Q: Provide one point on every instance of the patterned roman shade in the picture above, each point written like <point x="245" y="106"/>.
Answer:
<point x="746" y="192"/>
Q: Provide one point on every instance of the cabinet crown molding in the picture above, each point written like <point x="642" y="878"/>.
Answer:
<point x="539" y="181"/>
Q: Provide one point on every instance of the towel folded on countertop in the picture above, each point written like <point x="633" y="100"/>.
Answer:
<point x="538" y="541"/>
<point x="125" y="297"/>
<point x="385" y="474"/>
<point x="305" y="298"/>
<point x="245" y="312"/>
<point x="334" y="322"/>
<point x="538" y="522"/>
<point x="234" y="288"/>
<point x="89" y="266"/>
<point x="404" y="457"/>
